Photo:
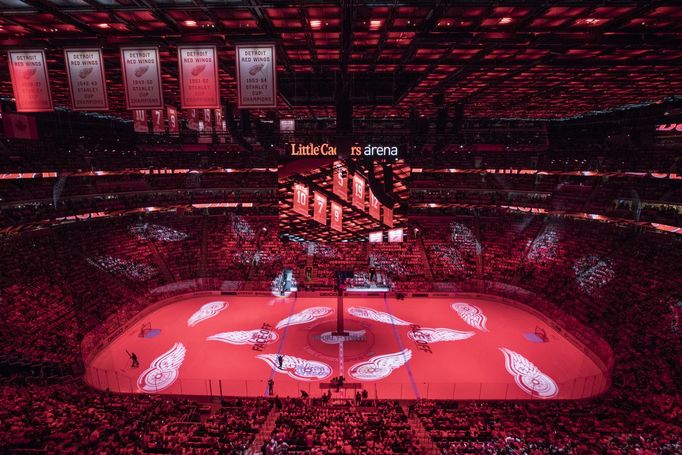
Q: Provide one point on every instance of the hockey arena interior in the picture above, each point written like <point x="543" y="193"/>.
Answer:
<point x="340" y="227"/>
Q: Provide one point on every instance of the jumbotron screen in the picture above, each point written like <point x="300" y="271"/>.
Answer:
<point x="324" y="198"/>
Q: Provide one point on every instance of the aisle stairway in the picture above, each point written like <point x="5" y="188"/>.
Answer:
<point x="480" y="264"/>
<point x="264" y="433"/>
<point x="425" y="260"/>
<point x="204" y="247"/>
<point x="518" y="273"/>
<point x="161" y="264"/>
<point x="425" y="441"/>
<point x="595" y="189"/>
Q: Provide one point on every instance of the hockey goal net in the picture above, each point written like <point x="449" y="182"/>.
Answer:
<point x="146" y="327"/>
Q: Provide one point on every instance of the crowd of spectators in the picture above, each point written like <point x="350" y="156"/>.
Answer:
<point x="54" y="418"/>
<point x="302" y="427"/>
<point x="622" y="283"/>
<point x="634" y="198"/>
<point x="615" y="424"/>
<point x="582" y="157"/>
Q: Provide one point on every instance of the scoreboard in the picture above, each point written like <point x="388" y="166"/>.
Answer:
<point x="330" y="199"/>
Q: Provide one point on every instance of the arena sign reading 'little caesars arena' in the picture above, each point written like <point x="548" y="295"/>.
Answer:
<point x="325" y="149"/>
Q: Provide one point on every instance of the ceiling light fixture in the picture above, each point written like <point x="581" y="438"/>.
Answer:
<point x="315" y="23"/>
<point x="190" y="23"/>
<point x="505" y="20"/>
<point x="103" y="25"/>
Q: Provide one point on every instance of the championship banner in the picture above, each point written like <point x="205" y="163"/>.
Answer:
<point x="193" y="122"/>
<point x="199" y="84"/>
<point x="208" y="121"/>
<point x="287" y="125"/>
<point x="219" y="120"/>
<point x="359" y="191"/>
<point x="301" y="199"/>
<point x="374" y="206"/>
<point x="30" y="81"/>
<point x="157" y="121"/>
<point x="87" y="82"/>
<point x="140" y="121"/>
<point x="340" y="186"/>
<point x="256" y="77"/>
<point x="376" y="237"/>
<point x="173" y="125"/>
<point x="142" y="77"/>
<point x="337" y="216"/>
<point x="395" y="235"/>
<point x="320" y="210"/>
<point x="388" y="217"/>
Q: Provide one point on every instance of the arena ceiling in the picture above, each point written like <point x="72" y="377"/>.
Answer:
<point x="517" y="59"/>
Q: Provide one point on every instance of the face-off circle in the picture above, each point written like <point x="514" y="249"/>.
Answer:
<point x="358" y="345"/>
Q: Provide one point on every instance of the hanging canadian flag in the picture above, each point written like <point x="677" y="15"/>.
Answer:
<point x="157" y="121"/>
<point x="301" y="199"/>
<point x="340" y="184"/>
<point x="320" y="210"/>
<point x="140" y="124"/>
<point x="87" y="82"/>
<point x="337" y="216"/>
<point x="219" y="120"/>
<point x="359" y="191"/>
<point x="142" y="77"/>
<point x="388" y="217"/>
<point x="198" y="69"/>
<point x="208" y="121"/>
<point x="173" y="125"/>
<point x="374" y="206"/>
<point x="19" y="126"/>
<point x="30" y="81"/>
<point x="193" y="122"/>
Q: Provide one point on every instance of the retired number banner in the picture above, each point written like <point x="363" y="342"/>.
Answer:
<point x="359" y="191"/>
<point x="157" y="121"/>
<point x="140" y="124"/>
<point x="173" y="125"/>
<point x="337" y="217"/>
<point x="256" y="77"/>
<point x="320" y="210"/>
<point x="30" y="81"/>
<point x="87" y="82"/>
<point x="340" y="184"/>
<point x="388" y="217"/>
<point x="208" y="121"/>
<point x="301" y="199"/>
<point x="219" y="120"/>
<point x="142" y="77"/>
<point x="374" y="206"/>
<point x="198" y="69"/>
<point x="193" y="121"/>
